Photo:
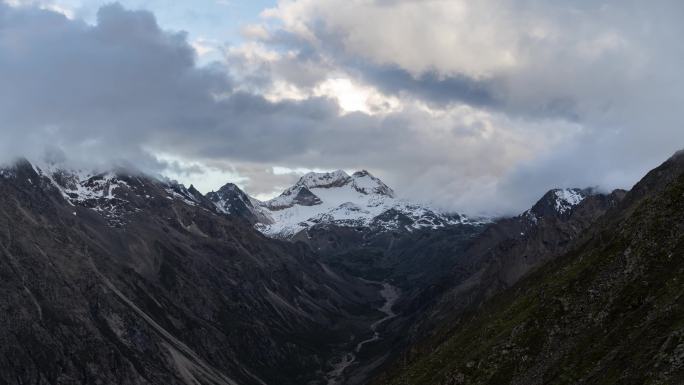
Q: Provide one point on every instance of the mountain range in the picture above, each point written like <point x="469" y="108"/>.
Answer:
<point x="118" y="277"/>
<point x="331" y="198"/>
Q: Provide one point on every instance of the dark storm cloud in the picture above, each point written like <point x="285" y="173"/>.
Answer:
<point x="115" y="89"/>
<point x="594" y="102"/>
<point x="432" y="87"/>
<point x="610" y="68"/>
<point x="444" y="90"/>
<point x="124" y="89"/>
<point x="96" y="89"/>
<point x="436" y="86"/>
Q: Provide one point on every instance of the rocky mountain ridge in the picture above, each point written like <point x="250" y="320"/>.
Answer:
<point x="448" y="270"/>
<point x="603" y="308"/>
<point x="122" y="278"/>
<point x="338" y="199"/>
<point x="412" y="246"/>
<point x="180" y="287"/>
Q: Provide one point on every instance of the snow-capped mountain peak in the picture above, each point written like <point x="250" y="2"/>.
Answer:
<point x="359" y="200"/>
<point x="361" y="181"/>
<point x="324" y="179"/>
<point x="559" y="202"/>
<point x="231" y="200"/>
<point x="336" y="198"/>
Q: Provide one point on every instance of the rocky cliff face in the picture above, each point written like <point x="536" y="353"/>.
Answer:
<point x="607" y="310"/>
<point x="120" y="278"/>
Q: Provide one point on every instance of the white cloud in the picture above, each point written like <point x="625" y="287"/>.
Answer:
<point x="203" y="47"/>
<point x="353" y="97"/>
<point x="477" y="38"/>
<point x="255" y="32"/>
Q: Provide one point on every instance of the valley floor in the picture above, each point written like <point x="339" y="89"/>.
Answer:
<point x="391" y="295"/>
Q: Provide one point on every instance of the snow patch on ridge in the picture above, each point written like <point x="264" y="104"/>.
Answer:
<point x="566" y="199"/>
<point x="109" y="193"/>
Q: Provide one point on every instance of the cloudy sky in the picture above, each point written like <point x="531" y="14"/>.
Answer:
<point x="475" y="106"/>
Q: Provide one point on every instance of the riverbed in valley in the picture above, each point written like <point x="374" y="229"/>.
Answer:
<point x="390" y="294"/>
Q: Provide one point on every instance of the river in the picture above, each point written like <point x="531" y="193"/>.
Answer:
<point x="390" y="294"/>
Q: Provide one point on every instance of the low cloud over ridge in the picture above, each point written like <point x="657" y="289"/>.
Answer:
<point x="593" y="103"/>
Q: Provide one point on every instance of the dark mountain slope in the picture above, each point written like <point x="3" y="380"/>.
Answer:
<point x="442" y="272"/>
<point x="410" y="260"/>
<point x="145" y="284"/>
<point x="610" y="311"/>
<point x="510" y="248"/>
<point x="230" y="200"/>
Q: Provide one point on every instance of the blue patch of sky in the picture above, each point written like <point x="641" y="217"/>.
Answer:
<point x="217" y="21"/>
